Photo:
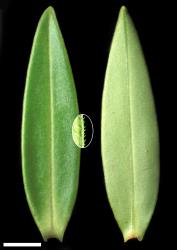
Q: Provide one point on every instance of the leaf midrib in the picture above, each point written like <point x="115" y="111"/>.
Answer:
<point x="51" y="167"/>
<point x="132" y="170"/>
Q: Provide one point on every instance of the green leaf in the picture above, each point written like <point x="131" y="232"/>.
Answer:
<point x="50" y="158"/>
<point x="129" y="133"/>
<point x="78" y="131"/>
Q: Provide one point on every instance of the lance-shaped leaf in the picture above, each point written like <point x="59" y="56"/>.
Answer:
<point x="129" y="133"/>
<point x="50" y="158"/>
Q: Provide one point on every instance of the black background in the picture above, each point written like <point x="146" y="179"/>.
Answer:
<point x="87" y="28"/>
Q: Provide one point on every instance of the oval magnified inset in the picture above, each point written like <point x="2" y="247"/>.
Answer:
<point x="82" y="130"/>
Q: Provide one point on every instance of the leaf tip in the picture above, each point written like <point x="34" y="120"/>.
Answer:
<point x="49" y="12"/>
<point x="123" y="10"/>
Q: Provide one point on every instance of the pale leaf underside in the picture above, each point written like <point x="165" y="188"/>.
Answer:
<point x="129" y="133"/>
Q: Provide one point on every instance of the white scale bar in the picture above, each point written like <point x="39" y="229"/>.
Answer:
<point x="5" y="244"/>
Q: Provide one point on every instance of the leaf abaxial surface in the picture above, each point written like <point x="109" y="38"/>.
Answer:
<point x="129" y="133"/>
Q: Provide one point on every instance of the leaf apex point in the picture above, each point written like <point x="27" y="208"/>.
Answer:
<point x="123" y="9"/>
<point x="50" y="11"/>
<point x="50" y="8"/>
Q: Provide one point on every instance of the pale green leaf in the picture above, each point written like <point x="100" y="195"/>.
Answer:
<point x="78" y="131"/>
<point x="50" y="158"/>
<point x="129" y="133"/>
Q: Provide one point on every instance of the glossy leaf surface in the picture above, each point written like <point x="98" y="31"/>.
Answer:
<point x="50" y="158"/>
<point x="129" y="133"/>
